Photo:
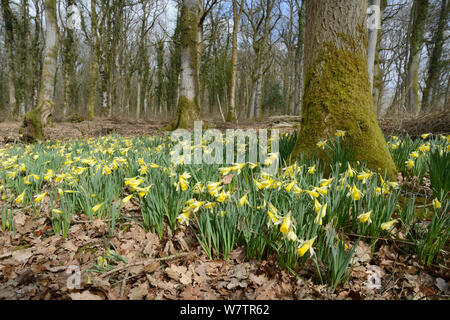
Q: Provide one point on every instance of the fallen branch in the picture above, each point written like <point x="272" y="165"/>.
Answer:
<point x="173" y="257"/>
<point x="5" y="255"/>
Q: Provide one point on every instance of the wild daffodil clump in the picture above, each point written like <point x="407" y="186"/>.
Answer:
<point x="296" y="214"/>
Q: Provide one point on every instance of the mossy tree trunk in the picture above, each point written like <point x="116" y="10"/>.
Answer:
<point x="337" y="90"/>
<point x="418" y="16"/>
<point x="188" y="109"/>
<point x="35" y="119"/>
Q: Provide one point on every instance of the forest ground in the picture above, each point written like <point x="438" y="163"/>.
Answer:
<point x="33" y="264"/>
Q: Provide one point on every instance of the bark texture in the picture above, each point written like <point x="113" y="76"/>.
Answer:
<point x="35" y="119"/>
<point x="188" y="109"/>
<point x="337" y="91"/>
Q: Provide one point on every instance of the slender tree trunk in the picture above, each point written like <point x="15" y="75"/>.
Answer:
<point x="418" y="16"/>
<point x="378" y="84"/>
<point x="435" y="65"/>
<point x="95" y="56"/>
<point x="237" y="12"/>
<point x="188" y="109"/>
<point x="373" y="35"/>
<point x="337" y="90"/>
<point x="298" y="94"/>
<point x="8" y="19"/>
<point x="35" y="119"/>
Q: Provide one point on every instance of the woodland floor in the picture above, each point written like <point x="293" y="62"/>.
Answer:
<point x="33" y="264"/>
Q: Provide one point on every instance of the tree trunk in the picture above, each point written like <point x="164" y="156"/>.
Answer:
<point x="298" y="94"/>
<point x="435" y="65"/>
<point x="418" y="16"/>
<point x="188" y="109"/>
<point x="237" y="12"/>
<point x="8" y="18"/>
<point x="337" y="90"/>
<point x="95" y="58"/>
<point x="35" y="119"/>
<point x="373" y="35"/>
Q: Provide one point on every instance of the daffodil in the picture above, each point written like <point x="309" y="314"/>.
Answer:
<point x="425" y="135"/>
<point x="325" y="182"/>
<point x="409" y="163"/>
<point x="314" y="194"/>
<point x="355" y="193"/>
<point x="57" y="211"/>
<point x="436" y="204"/>
<point x="286" y="224"/>
<point x="306" y="246"/>
<point x="388" y="225"/>
<point x="184" y="218"/>
<point x="19" y="199"/>
<point x="97" y="207"/>
<point x="321" y="144"/>
<point x="340" y="133"/>
<point x="39" y="197"/>
<point x="290" y="186"/>
<point x="127" y="199"/>
<point x="365" y="217"/>
<point x="321" y="212"/>
<point x="223" y="196"/>
<point x="312" y="169"/>
<point x="414" y="154"/>
<point x="243" y="201"/>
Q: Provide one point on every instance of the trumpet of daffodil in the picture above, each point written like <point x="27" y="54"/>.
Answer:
<point x="57" y="211"/>
<point x="132" y="183"/>
<point x="414" y="154"/>
<point x="273" y="214"/>
<point x="196" y="205"/>
<point x="143" y="170"/>
<point x="355" y="193"/>
<point x="214" y="188"/>
<point x="388" y="225"/>
<point x="340" y="133"/>
<point x="425" y="135"/>
<point x="321" y="190"/>
<point x="223" y="196"/>
<point x="80" y="170"/>
<point x="286" y="224"/>
<point x="19" y="199"/>
<point x="436" y="204"/>
<point x="26" y="181"/>
<point x="127" y="199"/>
<point x="297" y="190"/>
<point x="243" y="201"/>
<point x="143" y="191"/>
<point x="198" y="188"/>
<point x="364" y="176"/>
<point x="48" y="176"/>
<point x="106" y="170"/>
<point x="225" y="170"/>
<point x="321" y="212"/>
<point x="365" y="217"/>
<point x="312" y="169"/>
<point x="424" y="148"/>
<point x="12" y="174"/>
<point x="290" y="186"/>
<point x="184" y="217"/>
<point x="140" y="161"/>
<point x="409" y="163"/>
<point x="210" y="205"/>
<point x="238" y="167"/>
<point x="154" y="166"/>
<point x="97" y="207"/>
<point x="306" y="246"/>
<point x="325" y="182"/>
<point x="39" y="197"/>
<point x="321" y="144"/>
<point x="252" y="165"/>
<point x="313" y="194"/>
<point x="102" y="262"/>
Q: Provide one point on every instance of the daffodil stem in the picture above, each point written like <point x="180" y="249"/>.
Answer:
<point x="318" y="269"/>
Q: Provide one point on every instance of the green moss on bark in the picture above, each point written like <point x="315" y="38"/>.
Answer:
<point x="337" y="97"/>
<point x="33" y="127"/>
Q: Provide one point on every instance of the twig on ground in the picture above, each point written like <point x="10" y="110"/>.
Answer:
<point x="175" y="256"/>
